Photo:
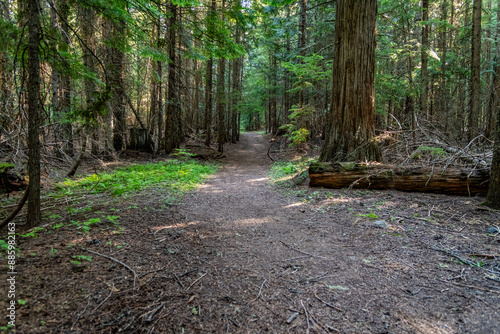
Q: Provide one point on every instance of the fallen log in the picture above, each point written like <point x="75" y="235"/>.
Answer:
<point x="405" y="178"/>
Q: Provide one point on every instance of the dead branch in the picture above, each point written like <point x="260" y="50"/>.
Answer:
<point x="113" y="259"/>
<point x="17" y="209"/>
<point x="305" y="253"/>
<point x="196" y="281"/>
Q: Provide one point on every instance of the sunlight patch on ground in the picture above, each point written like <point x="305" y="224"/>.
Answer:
<point x="159" y="228"/>
<point x="253" y="221"/>
<point x="258" y="180"/>
<point x="429" y="326"/>
<point x="333" y="201"/>
<point x="293" y="205"/>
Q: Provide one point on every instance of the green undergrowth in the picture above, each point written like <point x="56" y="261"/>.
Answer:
<point x="171" y="178"/>
<point x="175" y="175"/>
<point x="289" y="173"/>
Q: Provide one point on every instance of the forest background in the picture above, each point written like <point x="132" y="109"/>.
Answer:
<point x="111" y="75"/>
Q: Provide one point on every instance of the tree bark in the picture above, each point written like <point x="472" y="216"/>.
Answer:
<point x="34" y="213"/>
<point x="475" y="95"/>
<point x="221" y="104"/>
<point x="208" y="103"/>
<point x="235" y="93"/>
<point x="493" y="198"/>
<point x="403" y="178"/>
<point x="352" y="119"/>
<point x="88" y="47"/>
<point x="172" y="93"/>
<point x="302" y="41"/>
<point x="424" y="58"/>
<point x="442" y="99"/>
<point x="66" y="89"/>
<point x="196" y="101"/>
<point x="116" y="73"/>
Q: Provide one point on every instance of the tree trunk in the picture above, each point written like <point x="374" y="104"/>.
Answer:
<point x="172" y="93"/>
<point x="302" y="42"/>
<point x="196" y="102"/>
<point x="66" y="90"/>
<point x="56" y="109"/>
<point x="403" y="178"/>
<point x="475" y="95"/>
<point x="424" y="58"/>
<point x="34" y="213"/>
<point x="272" y="105"/>
<point x="493" y="198"/>
<point x="88" y="48"/>
<point x="442" y="110"/>
<point x="221" y="104"/>
<point x="235" y="96"/>
<point x="208" y="103"/>
<point x="116" y="73"/>
<point x="352" y="119"/>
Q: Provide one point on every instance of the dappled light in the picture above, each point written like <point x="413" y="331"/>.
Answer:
<point x="212" y="166"/>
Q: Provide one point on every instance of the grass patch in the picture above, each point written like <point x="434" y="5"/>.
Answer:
<point x="174" y="175"/>
<point x="287" y="173"/>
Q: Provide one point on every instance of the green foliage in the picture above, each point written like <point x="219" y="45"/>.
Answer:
<point x="309" y="71"/>
<point x="369" y="215"/>
<point x="113" y="219"/>
<point x="435" y="152"/>
<point x="283" y="170"/>
<point x="299" y="122"/>
<point x="79" y="258"/>
<point x="5" y="166"/>
<point x="182" y="153"/>
<point x="33" y="233"/>
<point x="177" y="176"/>
<point x="4" y="247"/>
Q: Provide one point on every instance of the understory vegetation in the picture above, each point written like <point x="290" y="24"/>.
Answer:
<point x="86" y="202"/>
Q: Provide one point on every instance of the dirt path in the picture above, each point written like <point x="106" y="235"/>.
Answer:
<point x="265" y="257"/>
<point x="239" y="256"/>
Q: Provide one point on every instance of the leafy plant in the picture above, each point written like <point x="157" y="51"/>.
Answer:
<point x="113" y="219"/>
<point x="78" y="258"/>
<point x="423" y="151"/>
<point x="33" y="233"/>
<point x="56" y="226"/>
<point x="299" y="122"/>
<point x="369" y="215"/>
<point x="182" y="153"/>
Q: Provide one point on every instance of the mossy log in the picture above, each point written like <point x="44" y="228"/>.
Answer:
<point x="405" y="178"/>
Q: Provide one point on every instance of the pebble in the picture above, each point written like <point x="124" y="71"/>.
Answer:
<point x="493" y="230"/>
<point x="380" y="224"/>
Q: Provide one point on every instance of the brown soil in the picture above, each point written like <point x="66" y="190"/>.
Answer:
<point x="242" y="256"/>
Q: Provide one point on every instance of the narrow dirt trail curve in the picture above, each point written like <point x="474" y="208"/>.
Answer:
<point x="239" y="195"/>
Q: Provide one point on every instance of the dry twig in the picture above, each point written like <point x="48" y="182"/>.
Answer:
<point x="196" y="281"/>
<point x="113" y="259"/>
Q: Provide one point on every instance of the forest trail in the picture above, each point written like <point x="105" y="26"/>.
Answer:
<point x="239" y="255"/>
<point x="238" y="196"/>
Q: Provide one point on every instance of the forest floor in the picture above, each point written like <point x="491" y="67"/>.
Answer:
<point x="240" y="255"/>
